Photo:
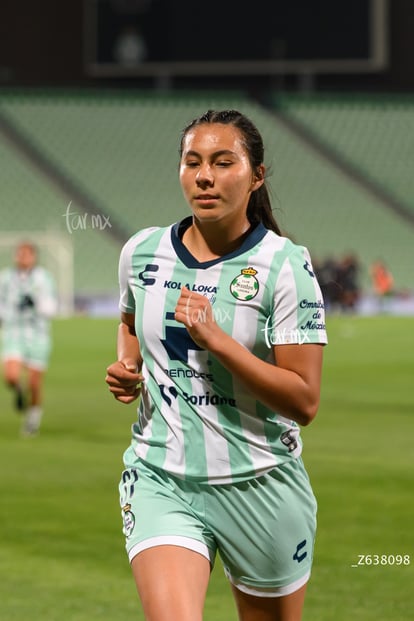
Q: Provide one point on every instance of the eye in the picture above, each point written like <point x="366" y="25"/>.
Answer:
<point x="223" y="163"/>
<point x="191" y="163"/>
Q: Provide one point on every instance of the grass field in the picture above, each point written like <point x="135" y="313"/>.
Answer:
<point x="61" y="552"/>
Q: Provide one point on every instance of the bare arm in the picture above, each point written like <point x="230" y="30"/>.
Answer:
<point x="124" y="376"/>
<point x="291" y="388"/>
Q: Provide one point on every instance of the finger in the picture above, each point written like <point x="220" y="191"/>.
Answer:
<point x="185" y="294"/>
<point x="127" y="398"/>
<point x="122" y="391"/>
<point x="120" y="373"/>
<point x="122" y="382"/>
<point x="184" y="315"/>
<point x="130" y="364"/>
<point x="188" y="311"/>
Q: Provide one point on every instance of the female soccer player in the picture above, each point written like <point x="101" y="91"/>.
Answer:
<point x="221" y="334"/>
<point x="28" y="302"/>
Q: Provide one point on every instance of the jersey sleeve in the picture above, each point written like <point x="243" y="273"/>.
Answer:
<point x="46" y="298"/>
<point x="130" y="255"/>
<point x="126" y="298"/>
<point x="298" y="308"/>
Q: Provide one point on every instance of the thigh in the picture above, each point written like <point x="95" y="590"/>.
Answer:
<point x="285" y="608"/>
<point x="170" y="549"/>
<point x="171" y="582"/>
<point x="12" y="368"/>
<point x="12" y="353"/>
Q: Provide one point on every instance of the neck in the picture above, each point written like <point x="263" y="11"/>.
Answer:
<point x="207" y="241"/>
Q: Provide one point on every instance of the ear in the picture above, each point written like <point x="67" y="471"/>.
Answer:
<point x="258" y="178"/>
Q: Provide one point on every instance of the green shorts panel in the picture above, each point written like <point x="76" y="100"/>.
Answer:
<point x="33" y="351"/>
<point x="263" y="529"/>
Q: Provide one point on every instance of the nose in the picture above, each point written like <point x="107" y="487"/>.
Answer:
<point x="205" y="176"/>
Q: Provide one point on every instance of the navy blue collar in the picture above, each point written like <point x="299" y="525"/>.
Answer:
<point x="177" y="231"/>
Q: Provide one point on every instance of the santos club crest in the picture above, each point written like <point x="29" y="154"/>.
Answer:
<point x="245" y="286"/>
<point x="128" y="520"/>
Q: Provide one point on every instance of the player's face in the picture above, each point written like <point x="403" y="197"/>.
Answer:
<point x="25" y="257"/>
<point x="215" y="173"/>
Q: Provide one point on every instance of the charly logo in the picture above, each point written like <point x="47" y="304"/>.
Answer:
<point x="144" y="277"/>
<point x="245" y="286"/>
<point x="300" y="553"/>
<point x="308" y="267"/>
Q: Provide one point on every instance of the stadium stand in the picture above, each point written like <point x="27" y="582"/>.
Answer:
<point x="370" y="142"/>
<point x="111" y="158"/>
<point x="374" y="133"/>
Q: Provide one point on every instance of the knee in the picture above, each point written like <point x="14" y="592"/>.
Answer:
<point x="11" y="379"/>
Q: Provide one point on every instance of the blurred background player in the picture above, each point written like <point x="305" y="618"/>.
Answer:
<point x="382" y="282"/>
<point x="28" y="301"/>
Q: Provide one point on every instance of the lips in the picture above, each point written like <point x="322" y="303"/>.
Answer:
<point x="206" y="197"/>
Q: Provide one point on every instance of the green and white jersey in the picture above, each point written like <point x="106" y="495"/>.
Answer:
<point x="195" y="419"/>
<point x="21" y="320"/>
